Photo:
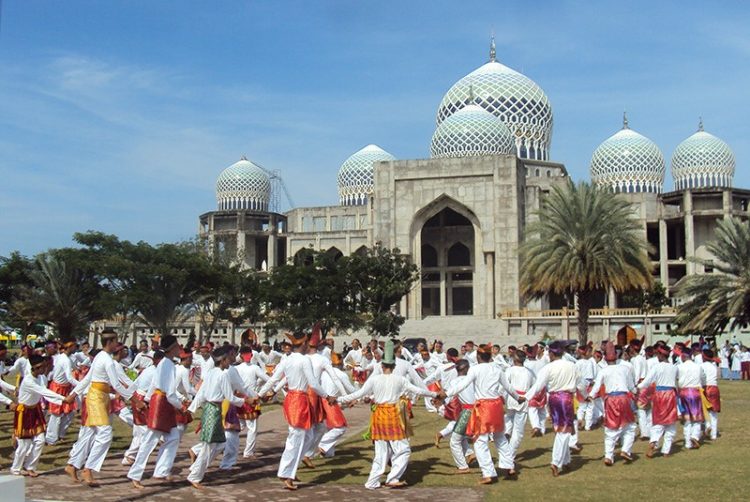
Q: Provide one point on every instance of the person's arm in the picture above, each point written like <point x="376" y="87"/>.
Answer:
<point x="365" y="390"/>
<point x="198" y="400"/>
<point x="598" y="383"/>
<point x="226" y="390"/>
<point x="335" y="377"/>
<point x="650" y="378"/>
<point x="68" y="373"/>
<point x="6" y="386"/>
<point x="419" y="391"/>
<point x="542" y="379"/>
<point x="278" y="373"/>
<point x="510" y="390"/>
<point x="415" y="379"/>
<point x="312" y="382"/>
<point x="114" y="381"/>
<point x="457" y="388"/>
<point x="52" y="397"/>
<point x="83" y="384"/>
<point x="260" y="375"/>
<point x="169" y="380"/>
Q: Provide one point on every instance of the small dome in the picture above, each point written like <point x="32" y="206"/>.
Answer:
<point x="512" y="97"/>
<point x="355" y="177"/>
<point x="702" y="160"/>
<point x="243" y="185"/>
<point x="472" y="132"/>
<point x="628" y="162"/>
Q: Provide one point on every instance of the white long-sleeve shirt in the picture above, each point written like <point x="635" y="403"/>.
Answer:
<point x="332" y="388"/>
<point x="639" y="367"/>
<point x="386" y="389"/>
<point x="488" y="380"/>
<point x="298" y="371"/>
<point x="141" y="361"/>
<point x="32" y="390"/>
<point x="321" y="364"/>
<point x="614" y="378"/>
<point x="690" y="375"/>
<point x="165" y="380"/>
<point x="103" y="371"/>
<point x="272" y="358"/>
<point x="559" y="375"/>
<point x="252" y="375"/>
<point x="215" y="389"/>
<point x="353" y="358"/>
<point x="663" y="374"/>
<point x="20" y="367"/>
<point x="711" y="371"/>
<point x="520" y="379"/>
<point x="405" y="369"/>
<point x="184" y="387"/>
<point x="62" y="372"/>
<point x="465" y="396"/>
<point x="142" y="383"/>
<point x="238" y="383"/>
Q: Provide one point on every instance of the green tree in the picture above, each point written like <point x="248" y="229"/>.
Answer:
<point x="15" y="275"/>
<point x="379" y="279"/>
<point x="650" y="300"/>
<point x="585" y="239"/>
<point x="720" y="299"/>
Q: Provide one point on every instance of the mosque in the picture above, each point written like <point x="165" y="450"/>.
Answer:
<point x="460" y="215"/>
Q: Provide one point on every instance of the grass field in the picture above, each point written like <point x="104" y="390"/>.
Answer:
<point x="717" y="471"/>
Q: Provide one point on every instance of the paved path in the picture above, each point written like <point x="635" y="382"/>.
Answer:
<point x="246" y="482"/>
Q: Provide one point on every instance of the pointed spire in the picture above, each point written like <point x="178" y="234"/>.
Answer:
<point x="700" y="124"/>
<point x="243" y="158"/>
<point x="625" y="124"/>
<point x="492" y="49"/>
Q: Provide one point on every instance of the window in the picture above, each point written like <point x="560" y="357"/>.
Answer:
<point x="319" y="224"/>
<point x="459" y="255"/>
<point x="307" y="224"/>
<point x="429" y="256"/>
<point x="348" y="222"/>
<point x="337" y="223"/>
<point x="362" y="220"/>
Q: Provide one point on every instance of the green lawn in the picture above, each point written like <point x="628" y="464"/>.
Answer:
<point x="718" y="471"/>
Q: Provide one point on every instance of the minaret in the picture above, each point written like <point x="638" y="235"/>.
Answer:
<point x="492" y="49"/>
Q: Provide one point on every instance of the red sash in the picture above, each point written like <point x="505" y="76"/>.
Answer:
<point x="335" y="418"/>
<point x="161" y="413"/>
<point x="452" y="409"/>
<point x="714" y="397"/>
<point x="63" y="389"/>
<point x="140" y="417"/>
<point x="664" y="407"/>
<point x="539" y="400"/>
<point x="183" y="416"/>
<point x="488" y="417"/>
<point x="317" y="414"/>
<point x="297" y="409"/>
<point x="618" y="411"/>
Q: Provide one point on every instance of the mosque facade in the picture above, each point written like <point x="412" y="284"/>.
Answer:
<point x="460" y="215"/>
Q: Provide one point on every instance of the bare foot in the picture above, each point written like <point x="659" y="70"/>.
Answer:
<point x="626" y="457"/>
<point x="192" y="456"/>
<point x="32" y="474"/>
<point x="651" y="450"/>
<point x="166" y="479"/>
<point x="71" y="471"/>
<point x="471" y="458"/>
<point x="137" y="484"/>
<point x="396" y="484"/>
<point x="308" y="462"/>
<point x="198" y="486"/>
<point x="485" y="481"/>
<point x="555" y="470"/>
<point x="289" y="484"/>
<point x="127" y="460"/>
<point x="88" y="478"/>
<point x="463" y="471"/>
<point x="608" y="462"/>
<point x="438" y="438"/>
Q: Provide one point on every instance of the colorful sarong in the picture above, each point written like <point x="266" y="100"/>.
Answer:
<point x="183" y="416"/>
<point x="161" y="413"/>
<point x="462" y="421"/>
<point x="335" y="418"/>
<point x="487" y="417"/>
<point x="692" y="404"/>
<point x="212" y="430"/>
<point x="297" y="409"/>
<point x="359" y="376"/>
<point x="645" y="396"/>
<point x="316" y="407"/>
<point x="713" y="397"/>
<point x="664" y="406"/>
<point x="539" y="400"/>
<point x="387" y="423"/>
<point x="618" y="410"/>
<point x="452" y="409"/>
<point x="63" y="389"/>
<point x="97" y="405"/>
<point x="28" y="421"/>
<point x="561" y="411"/>
<point x="249" y="411"/>
<point x="140" y="417"/>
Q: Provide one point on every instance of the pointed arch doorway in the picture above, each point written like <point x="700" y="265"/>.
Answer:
<point x="447" y="264"/>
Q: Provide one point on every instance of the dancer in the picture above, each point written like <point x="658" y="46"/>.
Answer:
<point x="663" y="403"/>
<point x="521" y="379"/>
<point x="711" y="371"/>
<point x="690" y="381"/>
<point x="61" y="415"/>
<point x="335" y="422"/>
<point x="459" y="442"/>
<point x="252" y="375"/>
<point x="139" y="407"/>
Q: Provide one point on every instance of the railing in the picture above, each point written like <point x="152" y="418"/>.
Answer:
<point x="603" y="312"/>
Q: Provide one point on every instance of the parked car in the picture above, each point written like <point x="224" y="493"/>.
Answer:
<point x="411" y="343"/>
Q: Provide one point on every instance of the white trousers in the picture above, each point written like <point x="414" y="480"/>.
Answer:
<point x="515" y="422"/>
<point x="585" y="414"/>
<point x="231" y="449"/>
<point x="27" y="454"/>
<point x="206" y="454"/>
<point x="598" y="409"/>
<point x="57" y="426"/>
<point x="293" y="449"/>
<point x="139" y="431"/>
<point x="81" y="448"/>
<point x="612" y="436"/>
<point x="484" y="456"/>
<point x="149" y="442"/>
<point x="561" y="449"/>
<point x="429" y="406"/>
<point x="691" y="430"/>
<point x="251" y="426"/>
<point x="168" y="452"/>
<point x="668" y="431"/>
<point x="448" y="429"/>
<point x="397" y="453"/>
<point x="644" y="422"/>
<point x="313" y="439"/>
<point x="459" y="445"/>
<point x="126" y="415"/>
<point x="538" y="418"/>
<point x="712" y="422"/>
<point x="99" y="447"/>
<point x="329" y="439"/>
<point x="574" y="436"/>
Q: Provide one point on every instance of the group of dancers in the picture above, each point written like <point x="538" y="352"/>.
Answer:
<point x="485" y="396"/>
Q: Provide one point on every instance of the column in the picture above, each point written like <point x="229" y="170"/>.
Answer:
<point x="272" y="244"/>
<point x="689" y="231"/>
<point x="663" y="255"/>
<point x="489" y="260"/>
<point x="241" y="252"/>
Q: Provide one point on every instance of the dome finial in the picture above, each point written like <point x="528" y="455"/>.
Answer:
<point x="492" y="48"/>
<point x="625" y="124"/>
<point x="700" y="124"/>
<point x="243" y="157"/>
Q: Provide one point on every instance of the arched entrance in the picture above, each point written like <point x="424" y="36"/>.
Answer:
<point x="447" y="264"/>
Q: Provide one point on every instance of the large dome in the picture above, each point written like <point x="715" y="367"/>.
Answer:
<point x="512" y="97"/>
<point x="471" y="132"/>
<point x="628" y="162"/>
<point x="702" y="160"/>
<point x="355" y="177"/>
<point x="243" y="185"/>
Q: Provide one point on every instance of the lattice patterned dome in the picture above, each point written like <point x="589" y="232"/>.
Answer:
<point x="628" y="162"/>
<point x="471" y="132"/>
<point x="243" y="185"/>
<point x="355" y="175"/>
<point x="512" y="97"/>
<point x="702" y="160"/>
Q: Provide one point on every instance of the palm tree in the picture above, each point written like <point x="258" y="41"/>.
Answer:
<point x="715" y="300"/>
<point x="585" y="239"/>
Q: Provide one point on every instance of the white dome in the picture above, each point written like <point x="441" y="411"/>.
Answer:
<point x="512" y="97"/>
<point x="243" y="185"/>
<point x="702" y="160"/>
<point x="628" y="162"/>
<point x="472" y="132"/>
<point x="355" y="177"/>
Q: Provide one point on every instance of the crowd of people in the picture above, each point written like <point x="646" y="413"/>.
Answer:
<point x="486" y="396"/>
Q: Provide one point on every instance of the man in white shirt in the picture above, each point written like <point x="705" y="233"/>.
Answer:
<point x="459" y="442"/>
<point x="711" y="372"/>
<point x="62" y="383"/>
<point x="335" y="422"/>
<point x="520" y="379"/>
<point x="561" y="380"/>
<point x="268" y="358"/>
<point x="252" y="377"/>
<point x="391" y="444"/>
<point x="537" y="410"/>
<point x="471" y="353"/>
<point x="690" y="381"/>
<point x="143" y="359"/>
<point x="141" y="387"/>
<point x="663" y="402"/>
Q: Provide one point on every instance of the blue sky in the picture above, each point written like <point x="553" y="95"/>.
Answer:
<point x="119" y="116"/>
